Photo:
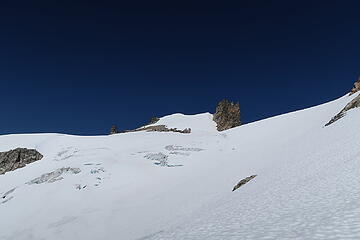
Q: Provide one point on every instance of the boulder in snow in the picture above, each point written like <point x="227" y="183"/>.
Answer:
<point x="17" y="158"/>
<point x="244" y="181"/>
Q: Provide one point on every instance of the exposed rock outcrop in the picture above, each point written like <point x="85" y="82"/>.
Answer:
<point x="356" y="87"/>
<point x="355" y="103"/>
<point x="227" y="115"/>
<point x="17" y="158"/>
<point x="153" y="120"/>
<point x="244" y="181"/>
<point x="155" y="128"/>
<point x="160" y="128"/>
<point x="114" y="130"/>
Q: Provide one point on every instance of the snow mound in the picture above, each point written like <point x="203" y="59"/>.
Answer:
<point x="198" y="122"/>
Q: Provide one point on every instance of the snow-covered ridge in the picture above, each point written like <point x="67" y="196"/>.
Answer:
<point x="197" y="122"/>
<point x="165" y="185"/>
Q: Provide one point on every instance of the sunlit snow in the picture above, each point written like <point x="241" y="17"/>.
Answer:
<point x="166" y="185"/>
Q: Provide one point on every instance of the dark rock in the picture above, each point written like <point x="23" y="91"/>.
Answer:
<point x="227" y="115"/>
<point x="17" y="158"/>
<point x="154" y="120"/>
<point x="356" y="87"/>
<point x="114" y="130"/>
<point x="186" y="130"/>
<point x="355" y="103"/>
<point x="160" y="128"/>
<point x="244" y="181"/>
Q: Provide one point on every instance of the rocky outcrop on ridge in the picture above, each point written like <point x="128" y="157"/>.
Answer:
<point x="160" y="128"/>
<point x="114" y="129"/>
<point x="17" y="158"/>
<point x="356" y="87"/>
<point x="155" y="128"/>
<point x="227" y="115"/>
<point x="355" y="103"/>
<point x="154" y="120"/>
<point x="244" y="181"/>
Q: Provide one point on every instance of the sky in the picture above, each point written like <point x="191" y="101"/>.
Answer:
<point x="78" y="67"/>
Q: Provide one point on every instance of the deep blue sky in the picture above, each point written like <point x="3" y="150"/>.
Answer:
<point x="79" y="67"/>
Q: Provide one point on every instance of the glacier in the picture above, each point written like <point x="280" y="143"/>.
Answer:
<point x="166" y="185"/>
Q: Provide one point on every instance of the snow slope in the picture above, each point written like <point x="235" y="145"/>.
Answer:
<point x="165" y="185"/>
